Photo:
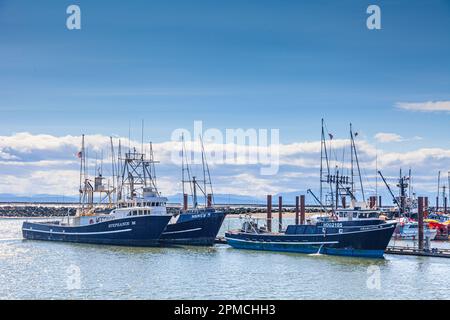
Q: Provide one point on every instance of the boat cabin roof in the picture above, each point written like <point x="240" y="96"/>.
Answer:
<point x="360" y="214"/>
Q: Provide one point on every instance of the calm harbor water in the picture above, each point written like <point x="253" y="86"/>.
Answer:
<point x="48" y="270"/>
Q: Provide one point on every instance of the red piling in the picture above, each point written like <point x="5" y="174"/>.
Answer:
<point x="209" y="201"/>
<point x="373" y="202"/>
<point x="269" y="213"/>
<point x="302" y="209"/>
<point x="420" y="219"/>
<point x="280" y="214"/>
<point x="185" y="202"/>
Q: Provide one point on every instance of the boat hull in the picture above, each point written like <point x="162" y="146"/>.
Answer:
<point x="369" y="243"/>
<point x="131" y="231"/>
<point x="198" y="229"/>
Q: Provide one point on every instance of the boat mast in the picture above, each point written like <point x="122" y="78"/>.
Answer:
<point x="337" y="190"/>
<point x="353" y="144"/>
<point x="204" y="172"/>
<point x="152" y="163"/>
<point x="448" y="186"/>
<point x="113" y="167"/>
<point x="208" y="182"/>
<point x="324" y="157"/>
<point x="185" y="170"/>
<point x="81" y="156"/>
<point x="439" y="190"/>
<point x="119" y="169"/>
<point x="351" y="161"/>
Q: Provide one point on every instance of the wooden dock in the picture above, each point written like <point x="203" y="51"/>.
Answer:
<point x="414" y="251"/>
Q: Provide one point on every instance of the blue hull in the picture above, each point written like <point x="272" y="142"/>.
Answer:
<point x="200" y="228"/>
<point x="309" y="249"/>
<point x="133" y="231"/>
<point x="345" y="240"/>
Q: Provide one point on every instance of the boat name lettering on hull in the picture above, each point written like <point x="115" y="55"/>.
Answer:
<point x="120" y="224"/>
<point x="332" y="225"/>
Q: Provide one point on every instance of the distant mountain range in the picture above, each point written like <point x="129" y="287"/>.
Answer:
<point x="7" y="197"/>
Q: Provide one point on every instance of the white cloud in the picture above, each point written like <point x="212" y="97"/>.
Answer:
<point x="388" y="137"/>
<point x="428" y="106"/>
<point x="385" y="137"/>
<point x="35" y="164"/>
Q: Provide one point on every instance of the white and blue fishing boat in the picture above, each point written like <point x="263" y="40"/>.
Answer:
<point x="131" y="223"/>
<point x="359" y="238"/>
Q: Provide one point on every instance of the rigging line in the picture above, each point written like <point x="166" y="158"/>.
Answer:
<point x="359" y="170"/>
<point x="331" y="149"/>
<point x="209" y="173"/>
<point x="142" y="137"/>
<point x="182" y="167"/>
<point x="327" y="160"/>
<point x="153" y="168"/>
<point x="187" y="169"/>
<point x="204" y="173"/>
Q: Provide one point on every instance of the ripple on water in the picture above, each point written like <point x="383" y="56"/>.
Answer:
<point x="33" y="269"/>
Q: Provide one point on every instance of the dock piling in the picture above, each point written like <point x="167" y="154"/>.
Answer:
<point x="209" y="201"/>
<point x="420" y="219"/>
<point x="269" y="213"/>
<point x="280" y="213"/>
<point x="297" y="209"/>
<point x="302" y="209"/>
<point x="372" y="202"/>
<point x="185" y="202"/>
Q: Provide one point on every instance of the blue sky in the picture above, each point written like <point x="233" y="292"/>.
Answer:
<point x="231" y="64"/>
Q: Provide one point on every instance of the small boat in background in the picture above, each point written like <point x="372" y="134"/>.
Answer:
<point x="409" y="230"/>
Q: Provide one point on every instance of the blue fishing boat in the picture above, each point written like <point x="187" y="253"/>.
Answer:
<point x="359" y="231"/>
<point x="196" y="225"/>
<point x="130" y="223"/>
<point x="133" y="226"/>
<point x="199" y="227"/>
<point x="359" y="238"/>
